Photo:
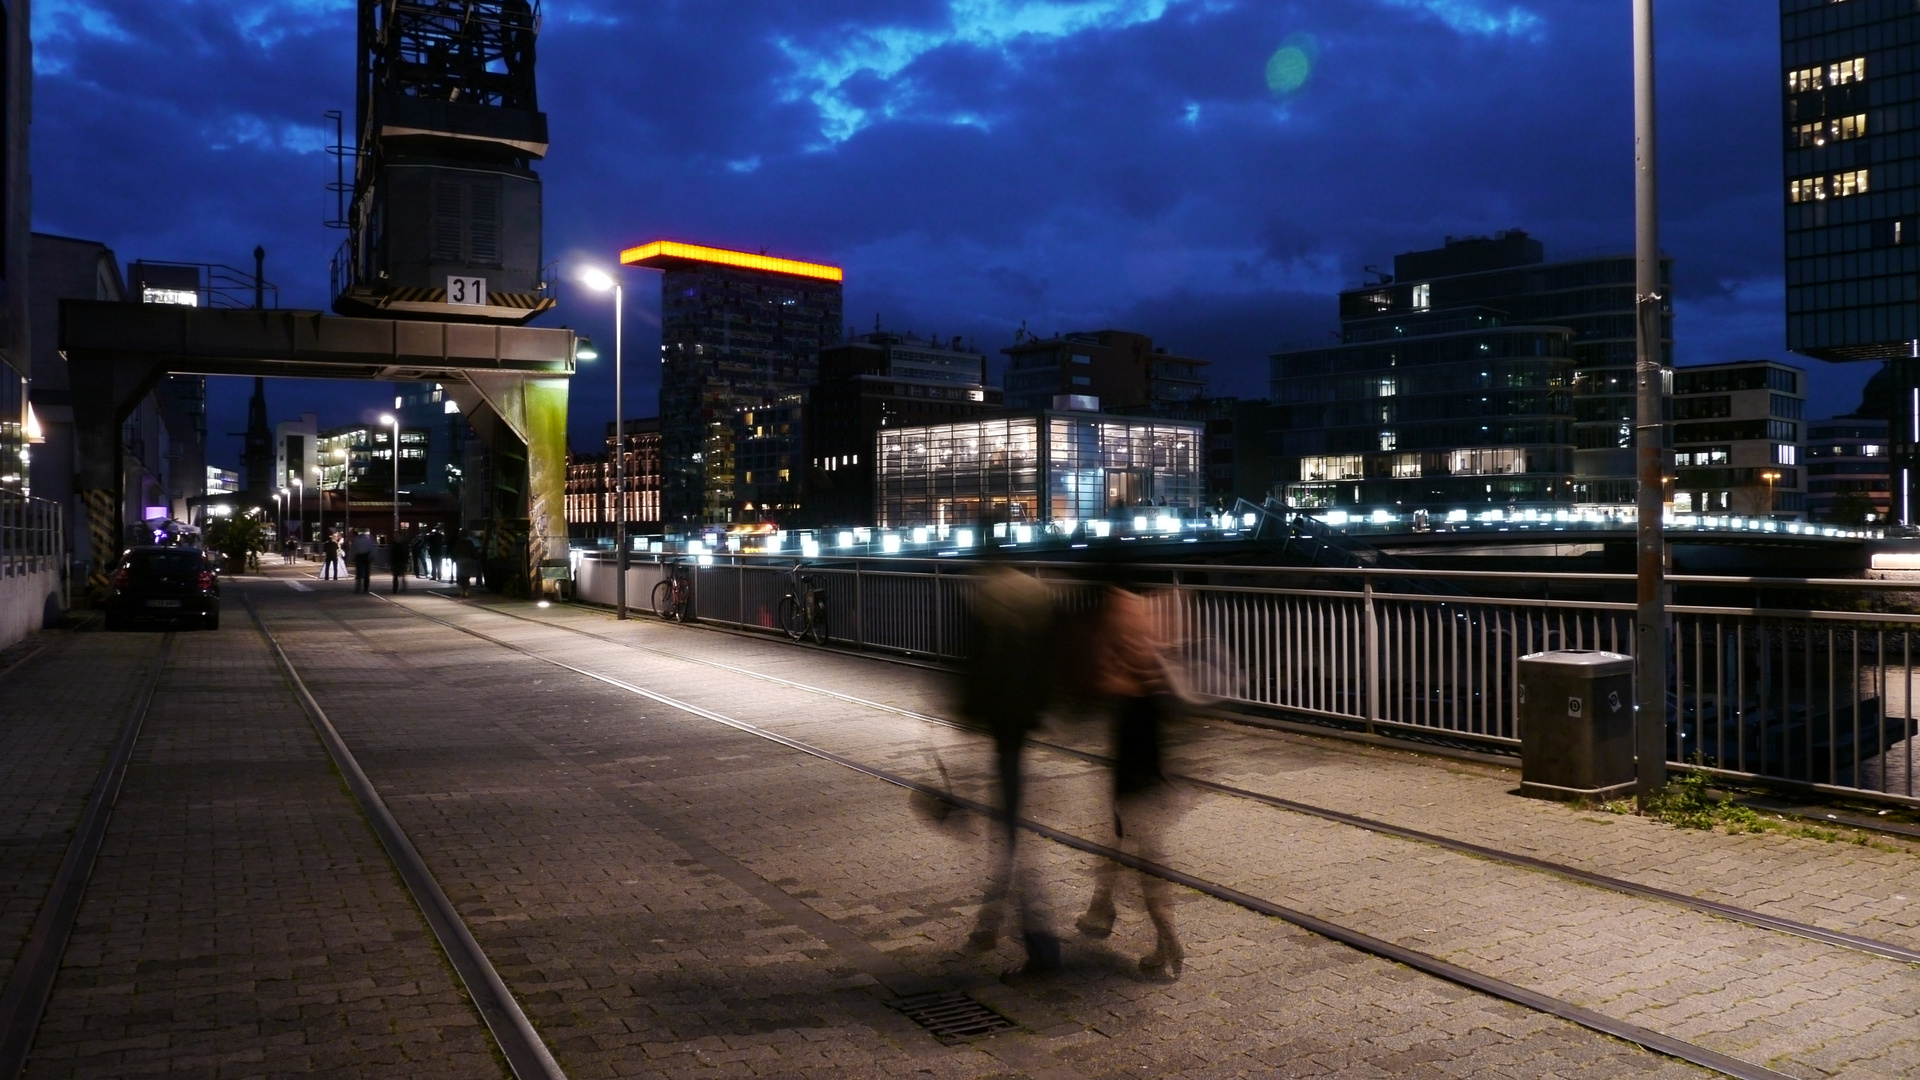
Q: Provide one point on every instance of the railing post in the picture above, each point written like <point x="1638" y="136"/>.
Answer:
<point x="1373" y="651"/>
<point x="939" y="617"/>
<point x="740" y="592"/>
<point x="859" y="610"/>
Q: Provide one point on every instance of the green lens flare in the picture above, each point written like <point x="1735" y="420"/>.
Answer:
<point x="1288" y="68"/>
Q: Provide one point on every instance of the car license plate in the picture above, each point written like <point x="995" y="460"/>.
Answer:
<point x="163" y="603"/>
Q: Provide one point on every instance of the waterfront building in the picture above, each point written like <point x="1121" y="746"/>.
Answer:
<point x="1847" y="478"/>
<point x="1054" y="467"/>
<point x="875" y="381"/>
<point x="1507" y="275"/>
<point x="1736" y="439"/>
<point x="1123" y="369"/>
<point x="591" y="510"/>
<point x="1427" y="410"/>
<point x="737" y="331"/>
<point x="1239" y="443"/>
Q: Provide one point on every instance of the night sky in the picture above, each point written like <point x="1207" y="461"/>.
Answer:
<point x="1209" y="172"/>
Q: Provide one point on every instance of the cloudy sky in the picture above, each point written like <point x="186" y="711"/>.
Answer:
<point x="1209" y="172"/>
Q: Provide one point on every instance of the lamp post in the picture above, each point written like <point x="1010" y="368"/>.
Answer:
<point x="1649" y="432"/>
<point x="1769" y="476"/>
<point x="280" y="507"/>
<point x="394" y="423"/>
<point x="601" y="281"/>
<point x="346" y="492"/>
<point x="300" y="501"/>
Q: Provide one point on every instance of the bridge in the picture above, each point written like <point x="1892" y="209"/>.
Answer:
<point x="663" y="848"/>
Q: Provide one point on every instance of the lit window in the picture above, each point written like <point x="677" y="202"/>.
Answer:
<point x="1847" y="71"/>
<point x="1330" y="467"/>
<point x="1385" y="387"/>
<point x="1803" y="80"/>
<point x="1683" y="502"/>
<point x="1850" y="183"/>
<point x="1807" y="190"/>
<point x="1487" y="461"/>
<point x="1388" y="440"/>
<point x="1848" y="127"/>
<point x="1870" y="449"/>
<point x="1786" y="454"/>
<point x="1406" y="465"/>
<point x="1422" y="297"/>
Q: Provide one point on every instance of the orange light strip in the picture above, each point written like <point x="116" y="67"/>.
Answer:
<point x="671" y="250"/>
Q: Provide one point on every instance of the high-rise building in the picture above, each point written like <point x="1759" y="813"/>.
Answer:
<point x="1737" y="439"/>
<point x="1120" y="368"/>
<point x="1507" y="275"/>
<point x="1847" y="479"/>
<point x="1851" y="192"/>
<point x="737" y="331"/>
<point x="875" y="381"/>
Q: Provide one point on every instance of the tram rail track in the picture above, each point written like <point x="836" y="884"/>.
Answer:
<point x="1580" y="1015"/>
<point x="1780" y="924"/>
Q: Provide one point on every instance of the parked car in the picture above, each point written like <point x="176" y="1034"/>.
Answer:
<point x="170" y="584"/>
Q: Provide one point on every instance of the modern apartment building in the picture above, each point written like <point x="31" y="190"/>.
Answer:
<point x="873" y="382"/>
<point x="737" y="331"/>
<point x="1120" y="368"/>
<point x="1737" y="440"/>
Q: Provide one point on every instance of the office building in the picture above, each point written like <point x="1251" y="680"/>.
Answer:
<point x="737" y="331"/>
<point x="426" y="408"/>
<point x="769" y="460"/>
<point x="1239" y="444"/>
<point x="591" y="510"/>
<point x="1507" y="275"/>
<point x="1429" y="410"/>
<point x="1050" y="467"/>
<point x="1736" y="440"/>
<point x="875" y="381"/>
<point x="1851" y="195"/>
<point x="1123" y="369"/>
<point x="1847" y="478"/>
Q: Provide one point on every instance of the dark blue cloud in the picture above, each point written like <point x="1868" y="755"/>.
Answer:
<point x="979" y="164"/>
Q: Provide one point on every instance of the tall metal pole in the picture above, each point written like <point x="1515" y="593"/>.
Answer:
<point x="619" y="456"/>
<point x="395" y="538"/>
<point x="1650" y="636"/>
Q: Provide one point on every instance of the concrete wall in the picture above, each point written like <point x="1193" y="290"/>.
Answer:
<point x="25" y="601"/>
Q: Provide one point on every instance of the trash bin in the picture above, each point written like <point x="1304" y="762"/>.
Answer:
<point x="1576" y="724"/>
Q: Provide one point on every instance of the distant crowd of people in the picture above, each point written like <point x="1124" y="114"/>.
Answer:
<point x="428" y="555"/>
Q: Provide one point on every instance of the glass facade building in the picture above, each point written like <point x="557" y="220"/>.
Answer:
<point x="1506" y="274"/>
<point x="1847" y="481"/>
<point x="1038" y="467"/>
<point x="1427" y="411"/>
<point x="1736" y="440"/>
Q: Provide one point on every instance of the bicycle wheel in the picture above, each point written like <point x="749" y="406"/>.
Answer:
<point x="663" y="599"/>
<point x="818" y="624"/>
<point x="793" y="618"/>
<point x="683" y="601"/>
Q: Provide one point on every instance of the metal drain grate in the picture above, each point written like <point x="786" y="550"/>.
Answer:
<point x="951" y="1015"/>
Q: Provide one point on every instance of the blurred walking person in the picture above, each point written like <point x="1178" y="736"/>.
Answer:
<point x="466" y="562"/>
<point x="361" y="548"/>
<point x="1129" y="671"/>
<point x="1008" y="681"/>
<point x="399" y="555"/>
<point x="330" y="551"/>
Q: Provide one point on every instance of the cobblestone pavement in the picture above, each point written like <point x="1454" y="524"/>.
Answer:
<point x="1796" y="1005"/>
<point x="59" y="713"/>
<point x="242" y="919"/>
<point x="669" y="896"/>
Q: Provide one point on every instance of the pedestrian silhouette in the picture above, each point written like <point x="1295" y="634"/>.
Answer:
<point x="1006" y="686"/>
<point x="361" y="548"/>
<point x="1129" y="673"/>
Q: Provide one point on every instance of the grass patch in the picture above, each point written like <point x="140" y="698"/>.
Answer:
<point x="1685" y="803"/>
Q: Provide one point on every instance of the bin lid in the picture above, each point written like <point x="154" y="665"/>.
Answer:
<point x="1590" y="662"/>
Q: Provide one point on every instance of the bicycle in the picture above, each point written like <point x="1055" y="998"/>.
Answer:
<point x="673" y="595"/>
<point x="803" y="611"/>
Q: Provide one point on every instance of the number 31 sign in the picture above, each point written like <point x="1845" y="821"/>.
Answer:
<point x="467" y="290"/>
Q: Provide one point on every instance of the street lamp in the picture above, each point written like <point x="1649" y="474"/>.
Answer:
<point x="394" y="423"/>
<point x="300" y="500"/>
<point x="600" y="281"/>
<point x="346" y="492"/>
<point x="280" y="504"/>
<point x="1769" y="476"/>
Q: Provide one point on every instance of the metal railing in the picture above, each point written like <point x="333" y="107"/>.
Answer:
<point x="32" y="535"/>
<point x="1801" y="682"/>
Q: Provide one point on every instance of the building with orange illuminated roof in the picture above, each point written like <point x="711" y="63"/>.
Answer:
<point x="738" y="332"/>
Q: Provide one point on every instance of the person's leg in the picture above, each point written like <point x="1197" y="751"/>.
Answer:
<point x="1098" y="920"/>
<point x="1149" y="807"/>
